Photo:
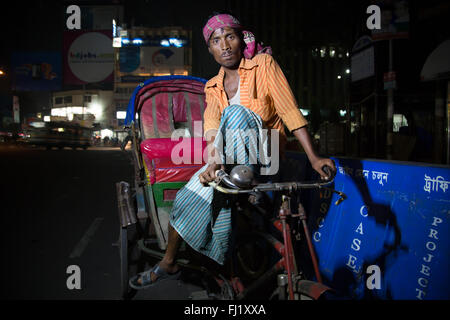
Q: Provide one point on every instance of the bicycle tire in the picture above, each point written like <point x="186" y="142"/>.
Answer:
<point x="247" y="246"/>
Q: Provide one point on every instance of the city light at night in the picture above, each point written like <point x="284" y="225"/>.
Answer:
<point x="238" y="150"/>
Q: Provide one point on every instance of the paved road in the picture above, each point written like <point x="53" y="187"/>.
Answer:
<point x="59" y="209"/>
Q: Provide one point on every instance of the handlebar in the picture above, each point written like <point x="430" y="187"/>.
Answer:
<point x="225" y="184"/>
<point x="277" y="186"/>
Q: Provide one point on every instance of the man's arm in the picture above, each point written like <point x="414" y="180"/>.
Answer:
<point x="283" y="99"/>
<point x="286" y="106"/>
<point x="317" y="162"/>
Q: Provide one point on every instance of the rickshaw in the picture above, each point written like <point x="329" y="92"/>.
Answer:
<point x="159" y="108"/>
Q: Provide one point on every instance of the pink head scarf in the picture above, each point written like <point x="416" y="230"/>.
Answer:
<point x="226" y="20"/>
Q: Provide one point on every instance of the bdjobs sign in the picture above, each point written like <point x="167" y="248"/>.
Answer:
<point x="88" y="57"/>
<point x="396" y="217"/>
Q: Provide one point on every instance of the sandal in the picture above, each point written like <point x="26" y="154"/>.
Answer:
<point x="146" y="280"/>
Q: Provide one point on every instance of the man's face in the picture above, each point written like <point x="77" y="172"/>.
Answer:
<point x="225" y="46"/>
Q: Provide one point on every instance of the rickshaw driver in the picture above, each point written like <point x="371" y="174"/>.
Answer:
<point x="231" y="88"/>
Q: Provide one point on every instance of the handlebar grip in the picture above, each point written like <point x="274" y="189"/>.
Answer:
<point x="330" y="173"/>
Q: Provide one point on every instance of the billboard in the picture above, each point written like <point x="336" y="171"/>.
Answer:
<point x="363" y="64"/>
<point x="394" y="20"/>
<point x="149" y="60"/>
<point x="88" y="57"/>
<point x="36" y="71"/>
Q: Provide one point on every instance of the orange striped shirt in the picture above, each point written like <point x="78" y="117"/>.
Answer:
<point x="264" y="90"/>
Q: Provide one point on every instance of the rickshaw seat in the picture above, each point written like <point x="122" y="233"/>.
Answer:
<point x="164" y="170"/>
<point x="162" y="167"/>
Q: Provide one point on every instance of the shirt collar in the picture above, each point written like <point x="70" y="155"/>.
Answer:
<point x="245" y="64"/>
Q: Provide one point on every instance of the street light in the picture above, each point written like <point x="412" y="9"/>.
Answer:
<point x="2" y="73"/>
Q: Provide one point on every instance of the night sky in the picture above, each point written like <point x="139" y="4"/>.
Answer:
<point x="39" y="25"/>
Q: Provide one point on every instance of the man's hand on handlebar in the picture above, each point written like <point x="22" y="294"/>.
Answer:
<point x="210" y="173"/>
<point x="319" y="163"/>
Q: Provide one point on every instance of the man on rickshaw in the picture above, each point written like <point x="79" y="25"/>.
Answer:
<point x="250" y="92"/>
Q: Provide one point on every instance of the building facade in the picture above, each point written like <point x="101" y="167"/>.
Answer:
<point x="141" y="53"/>
<point x="89" y="107"/>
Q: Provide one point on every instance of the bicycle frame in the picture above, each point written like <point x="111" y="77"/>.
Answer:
<point x="287" y="262"/>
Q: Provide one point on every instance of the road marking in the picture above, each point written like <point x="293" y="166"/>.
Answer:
<point x="84" y="241"/>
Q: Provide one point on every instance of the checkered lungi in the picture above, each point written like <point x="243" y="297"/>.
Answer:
<point x="202" y="215"/>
